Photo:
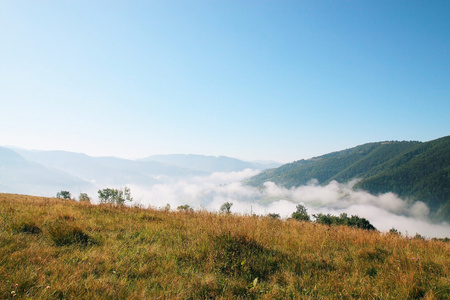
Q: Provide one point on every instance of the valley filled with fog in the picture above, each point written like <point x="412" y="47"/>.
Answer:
<point x="209" y="192"/>
<point x="164" y="181"/>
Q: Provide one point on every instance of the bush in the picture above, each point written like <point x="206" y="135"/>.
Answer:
<point x="244" y="257"/>
<point x="185" y="207"/>
<point x="226" y="207"/>
<point x="114" y="196"/>
<point x="273" y="216"/>
<point x="64" y="195"/>
<point x="394" y="231"/>
<point x="26" y="227"/>
<point x="343" y="219"/>
<point x="62" y="234"/>
<point x="301" y="213"/>
<point x="325" y="219"/>
<point x="84" y="198"/>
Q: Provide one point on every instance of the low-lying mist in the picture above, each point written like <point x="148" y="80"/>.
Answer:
<point x="384" y="211"/>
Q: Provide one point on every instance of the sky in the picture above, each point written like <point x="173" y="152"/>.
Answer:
<point x="255" y="80"/>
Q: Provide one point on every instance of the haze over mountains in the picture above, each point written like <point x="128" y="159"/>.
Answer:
<point x="47" y="172"/>
<point x="209" y="164"/>
<point x="18" y="175"/>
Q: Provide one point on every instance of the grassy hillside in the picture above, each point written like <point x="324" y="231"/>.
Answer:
<point x="62" y="249"/>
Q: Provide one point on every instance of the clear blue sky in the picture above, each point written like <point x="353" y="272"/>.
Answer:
<point x="281" y="80"/>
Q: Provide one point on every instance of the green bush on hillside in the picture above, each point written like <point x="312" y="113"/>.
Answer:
<point x="63" y="234"/>
<point x="226" y="207"/>
<point x="84" y="198"/>
<point x="301" y="214"/>
<point x="343" y="219"/>
<point x="64" y="195"/>
<point x="115" y="196"/>
<point x="185" y="208"/>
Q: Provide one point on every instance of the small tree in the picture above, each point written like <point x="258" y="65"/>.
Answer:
<point x="84" y="198"/>
<point x="325" y="219"/>
<point x="394" y="231"/>
<point x="343" y="219"/>
<point x="226" y="207"/>
<point x="301" y="213"/>
<point x="115" y="196"/>
<point x="64" y="195"/>
<point x="185" y="208"/>
<point x="274" y="216"/>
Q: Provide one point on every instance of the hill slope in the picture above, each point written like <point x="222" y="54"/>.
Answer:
<point x="420" y="171"/>
<point x="17" y="175"/>
<point x="56" y="249"/>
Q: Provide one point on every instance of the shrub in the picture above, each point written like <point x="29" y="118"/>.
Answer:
<point x="185" y="207"/>
<point x="343" y="219"/>
<point x="62" y="234"/>
<point x="242" y="256"/>
<point x="64" y="195"/>
<point x="362" y="223"/>
<point x="394" y="231"/>
<point x="84" y="198"/>
<point x="26" y="227"/>
<point x="301" y="213"/>
<point x="226" y="207"/>
<point x="115" y="196"/>
<point x="325" y="219"/>
<point x="273" y="216"/>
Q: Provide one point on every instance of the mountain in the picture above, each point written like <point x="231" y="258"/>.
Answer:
<point x="205" y="163"/>
<point x="107" y="170"/>
<point x="422" y="173"/>
<point x="266" y="164"/>
<point x="414" y="170"/>
<point x="18" y="175"/>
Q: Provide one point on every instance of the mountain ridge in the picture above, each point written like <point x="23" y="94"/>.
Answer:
<point x="19" y="175"/>
<point x="413" y="170"/>
<point x="208" y="163"/>
<point x="47" y="172"/>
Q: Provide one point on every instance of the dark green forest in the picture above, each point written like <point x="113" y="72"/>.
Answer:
<point x="413" y="170"/>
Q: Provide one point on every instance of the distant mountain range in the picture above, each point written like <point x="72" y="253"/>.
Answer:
<point x="47" y="172"/>
<point x="18" y="175"/>
<point x="412" y="170"/>
<point x="210" y="164"/>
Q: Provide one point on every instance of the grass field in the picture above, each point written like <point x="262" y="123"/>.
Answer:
<point x="63" y="249"/>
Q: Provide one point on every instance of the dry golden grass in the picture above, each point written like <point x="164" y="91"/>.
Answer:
<point x="62" y="249"/>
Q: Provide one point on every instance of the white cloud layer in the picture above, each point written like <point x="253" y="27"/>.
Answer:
<point x="384" y="211"/>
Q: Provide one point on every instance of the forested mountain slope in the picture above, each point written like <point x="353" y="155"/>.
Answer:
<point x="415" y="170"/>
<point x="421" y="173"/>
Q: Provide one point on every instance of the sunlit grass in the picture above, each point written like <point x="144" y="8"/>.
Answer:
<point x="61" y="249"/>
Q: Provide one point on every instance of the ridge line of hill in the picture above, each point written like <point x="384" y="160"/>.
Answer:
<point x="412" y="170"/>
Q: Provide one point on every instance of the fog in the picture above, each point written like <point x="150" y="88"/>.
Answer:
<point x="384" y="211"/>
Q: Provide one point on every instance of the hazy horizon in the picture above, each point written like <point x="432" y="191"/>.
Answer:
<point x="12" y="147"/>
<point x="199" y="154"/>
